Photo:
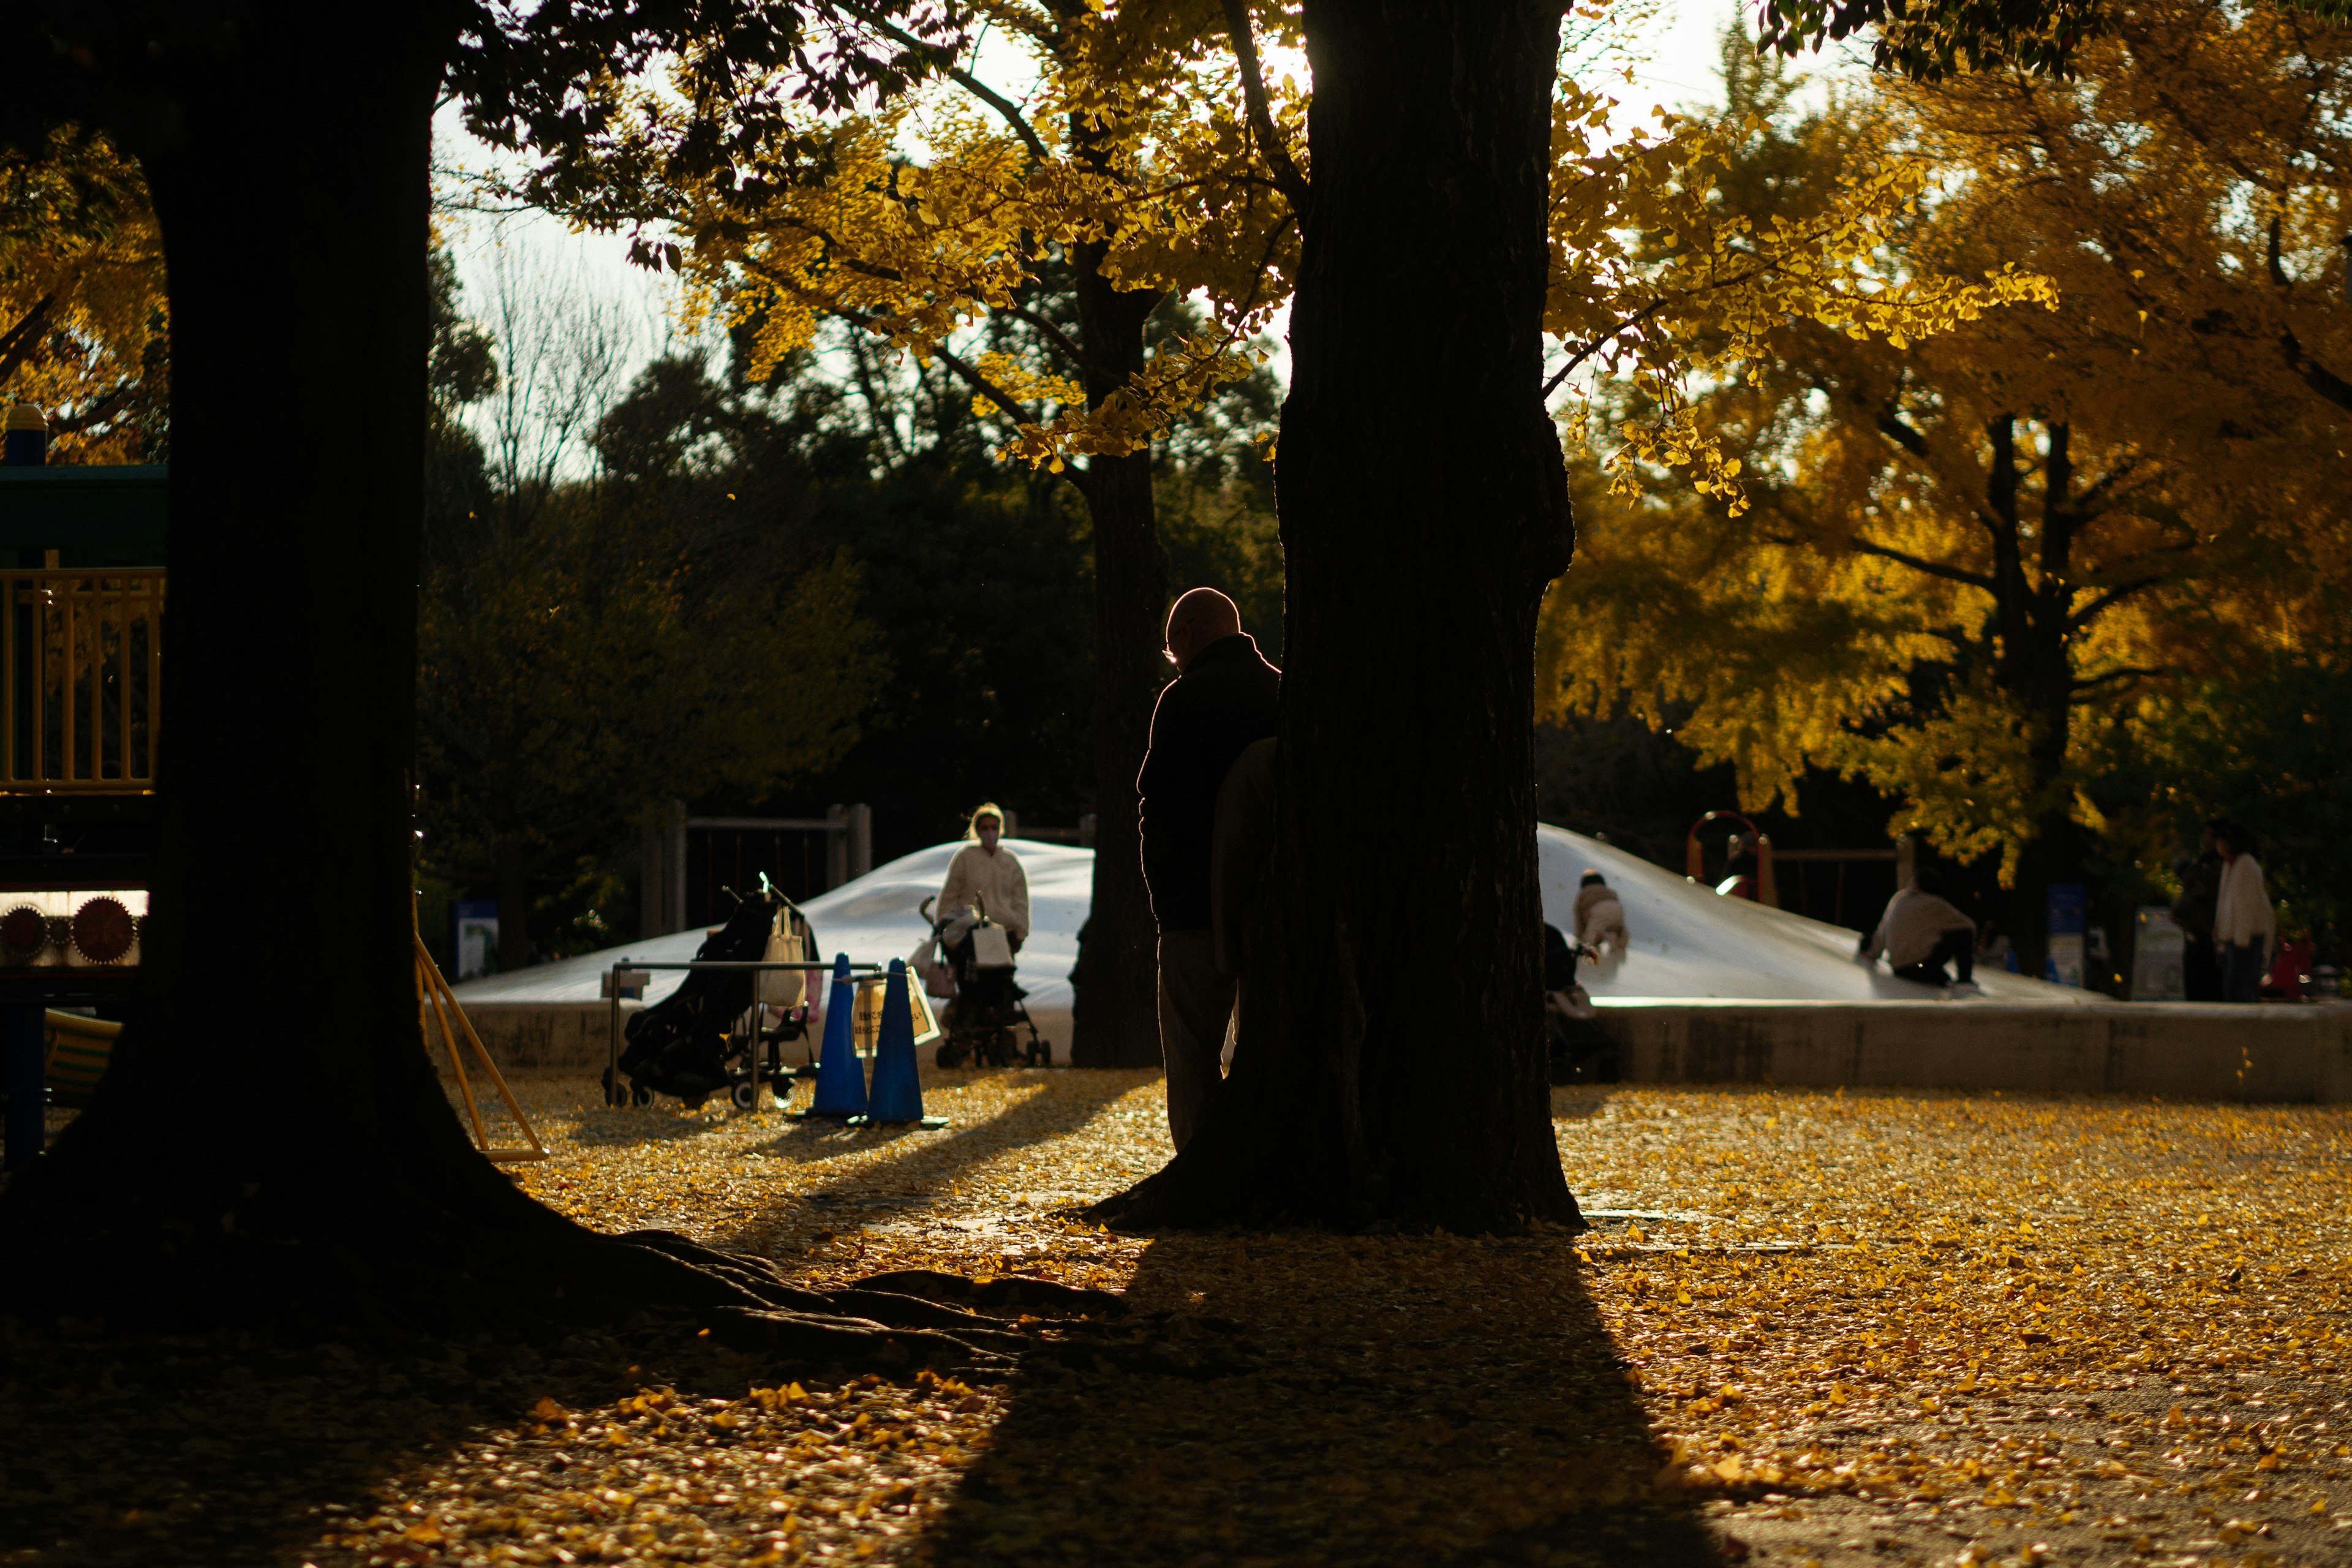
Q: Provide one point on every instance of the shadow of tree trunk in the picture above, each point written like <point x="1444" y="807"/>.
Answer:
<point x="1349" y="1400"/>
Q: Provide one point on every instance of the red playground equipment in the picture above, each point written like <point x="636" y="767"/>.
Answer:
<point x="1746" y="839"/>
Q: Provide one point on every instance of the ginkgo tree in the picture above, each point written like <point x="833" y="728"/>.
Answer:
<point x="1974" y="560"/>
<point x="82" y="318"/>
<point x="1151" y="159"/>
<point x="1023" y="242"/>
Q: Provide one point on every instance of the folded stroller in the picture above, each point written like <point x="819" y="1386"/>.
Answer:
<point x="705" y="1037"/>
<point x="988" y="1006"/>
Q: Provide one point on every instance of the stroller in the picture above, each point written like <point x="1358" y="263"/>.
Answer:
<point x="987" y="1005"/>
<point x="1581" y="1050"/>
<point x="707" y="1037"/>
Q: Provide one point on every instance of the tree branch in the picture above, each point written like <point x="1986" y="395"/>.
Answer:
<point x="96" y="413"/>
<point x="1589" y="350"/>
<point x="1892" y="425"/>
<point x="2116" y="595"/>
<point x="1005" y="107"/>
<point x="1286" y="177"/>
<point x="1932" y="568"/>
<point x="2309" y="371"/>
<point x="981" y="385"/>
<point x="1052" y="334"/>
<point x="2314" y="375"/>
<point x="2126" y="672"/>
<point x="18" y="343"/>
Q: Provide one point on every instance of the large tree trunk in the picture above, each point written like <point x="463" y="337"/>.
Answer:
<point x="2036" y="670"/>
<point x="271" y="1141"/>
<point x="1390" y="1066"/>
<point x="242" y="1149"/>
<point x="1117" y="1020"/>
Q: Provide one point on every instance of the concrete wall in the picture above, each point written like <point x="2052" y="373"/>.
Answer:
<point x="2184" y="1050"/>
<point x="2178" y="1049"/>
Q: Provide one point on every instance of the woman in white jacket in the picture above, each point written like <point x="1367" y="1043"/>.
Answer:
<point x="2244" y="929"/>
<point x="985" y="877"/>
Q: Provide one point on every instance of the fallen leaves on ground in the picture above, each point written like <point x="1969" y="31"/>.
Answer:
<point x="1913" y="1328"/>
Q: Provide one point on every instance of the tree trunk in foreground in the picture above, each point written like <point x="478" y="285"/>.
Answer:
<point x="1390" y="1067"/>
<point x="1117" y="1021"/>
<point x="271" y="1143"/>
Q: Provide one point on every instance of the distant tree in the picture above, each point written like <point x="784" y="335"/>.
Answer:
<point x="1973" y="558"/>
<point x="1030" y="248"/>
<point x="82" y="320"/>
<point x="587" y="647"/>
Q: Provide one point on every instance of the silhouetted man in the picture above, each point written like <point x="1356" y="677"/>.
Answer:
<point x="1225" y="697"/>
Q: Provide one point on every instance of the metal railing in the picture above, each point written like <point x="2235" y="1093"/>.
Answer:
<point x="81" y="679"/>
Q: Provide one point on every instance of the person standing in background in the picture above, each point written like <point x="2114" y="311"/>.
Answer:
<point x="2244" y="926"/>
<point x="1224" y="698"/>
<point x="2193" y="911"/>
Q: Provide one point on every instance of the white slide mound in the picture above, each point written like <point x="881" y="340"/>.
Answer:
<point x="1687" y="942"/>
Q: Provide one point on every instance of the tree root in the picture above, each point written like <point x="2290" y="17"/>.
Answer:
<point x="1007" y="1291"/>
<point x="833" y="1341"/>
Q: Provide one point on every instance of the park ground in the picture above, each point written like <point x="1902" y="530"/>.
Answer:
<point x="1835" y="1327"/>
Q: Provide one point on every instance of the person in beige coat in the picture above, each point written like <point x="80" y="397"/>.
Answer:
<point x="985" y="876"/>
<point x="2245" y="928"/>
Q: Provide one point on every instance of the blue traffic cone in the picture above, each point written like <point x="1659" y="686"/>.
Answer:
<point x="898" y="1082"/>
<point x="840" y="1077"/>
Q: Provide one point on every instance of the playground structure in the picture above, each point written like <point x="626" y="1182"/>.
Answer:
<point x="82" y="597"/>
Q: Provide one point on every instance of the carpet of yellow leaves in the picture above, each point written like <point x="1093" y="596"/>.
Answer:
<point x="1918" y="1328"/>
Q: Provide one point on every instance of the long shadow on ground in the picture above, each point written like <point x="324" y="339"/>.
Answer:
<point x="1420" y="1400"/>
<point x="928" y="1163"/>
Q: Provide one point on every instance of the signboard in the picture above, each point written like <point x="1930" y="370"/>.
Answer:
<point x="477" y="940"/>
<point x="2069" y="921"/>
<point x="2157" y="947"/>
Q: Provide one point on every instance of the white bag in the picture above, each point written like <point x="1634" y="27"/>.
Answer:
<point x="991" y="949"/>
<point x="790" y="940"/>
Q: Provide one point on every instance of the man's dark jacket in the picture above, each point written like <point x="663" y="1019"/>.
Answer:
<point x="1226" y="697"/>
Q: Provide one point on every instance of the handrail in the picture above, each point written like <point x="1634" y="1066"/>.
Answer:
<point x="81" y="679"/>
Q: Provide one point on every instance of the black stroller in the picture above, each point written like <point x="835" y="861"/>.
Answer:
<point x="987" y="1005"/>
<point x="1581" y="1050"/>
<point x="705" y="1037"/>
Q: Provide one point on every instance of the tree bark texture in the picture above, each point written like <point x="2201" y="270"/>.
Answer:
<point x="1117" y="1019"/>
<point x="1390" y="1066"/>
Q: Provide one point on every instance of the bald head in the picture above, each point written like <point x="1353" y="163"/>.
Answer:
<point x="1198" y="618"/>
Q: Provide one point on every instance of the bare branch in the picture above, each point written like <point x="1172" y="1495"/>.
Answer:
<point x="1286" y="177"/>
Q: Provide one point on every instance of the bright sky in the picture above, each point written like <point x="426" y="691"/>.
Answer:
<point x="541" y="255"/>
